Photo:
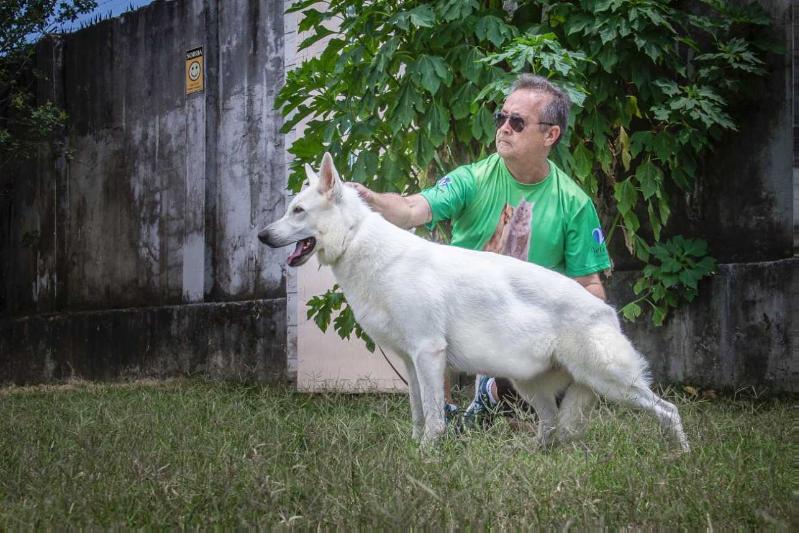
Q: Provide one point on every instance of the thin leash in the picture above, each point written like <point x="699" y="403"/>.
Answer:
<point x="392" y="366"/>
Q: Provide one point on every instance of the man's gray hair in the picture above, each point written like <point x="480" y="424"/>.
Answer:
<point x="556" y="111"/>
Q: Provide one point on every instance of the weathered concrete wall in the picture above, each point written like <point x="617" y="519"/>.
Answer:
<point x="237" y="340"/>
<point x="737" y="333"/>
<point x="742" y="329"/>
<point x="745" y="203"/>
<point x="157" y="204"/>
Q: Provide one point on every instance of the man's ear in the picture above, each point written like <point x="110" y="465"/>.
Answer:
<point x="329" y="181"/>
<point x="553" y="134"/>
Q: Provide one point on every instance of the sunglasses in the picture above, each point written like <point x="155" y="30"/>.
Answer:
<point x="517" y="123"/>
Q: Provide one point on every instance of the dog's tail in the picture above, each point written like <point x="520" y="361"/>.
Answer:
<point x="602" y="358"/>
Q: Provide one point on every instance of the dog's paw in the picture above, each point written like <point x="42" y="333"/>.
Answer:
<point x="430" y="440"/>
<point x="676" y="453"/>
<point x="523" y="425"/>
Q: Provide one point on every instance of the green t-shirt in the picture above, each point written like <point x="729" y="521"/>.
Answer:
<point x="552" y="223"/>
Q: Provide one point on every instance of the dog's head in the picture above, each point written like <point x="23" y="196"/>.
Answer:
<point x="317" y="218"/>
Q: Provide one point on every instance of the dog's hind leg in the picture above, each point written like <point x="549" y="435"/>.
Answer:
<point x="610" y="366"/>
<point x="668" y="416"/>
<point x="540" y="393"/>
<point x="574" y="412"/>
<point x="429" y="364"/>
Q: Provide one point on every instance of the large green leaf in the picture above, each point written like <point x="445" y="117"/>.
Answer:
<point x="649" y="178"/>
<point x="430" y="72"/>
<point x="583" y="161"/>
<point x="471" y="65"/>
<point x="401" y="115"/>
<point x="626" y="195"/>
<point x="492" y="29"/>
<point x="419" y="17"/>
<point x="424" y="149"/>
<point x="439" y="124"/>
<point x="457" y="10"/>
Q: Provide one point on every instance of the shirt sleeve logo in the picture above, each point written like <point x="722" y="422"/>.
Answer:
<point x="596" y="233"/>
<point x="444" y="182"/>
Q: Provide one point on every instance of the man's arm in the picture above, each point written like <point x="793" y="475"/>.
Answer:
<point x="592" y="284"/>
<point x="403" y="211"/>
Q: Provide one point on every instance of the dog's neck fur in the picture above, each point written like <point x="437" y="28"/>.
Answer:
<point x="351" y="253"/>
<point x="336" y="240"/>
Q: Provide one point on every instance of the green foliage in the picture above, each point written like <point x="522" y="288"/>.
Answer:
<point x="397" y="80"/>
<point x="673" y="276"/>
<point x="24" y="122"/>
<point x="321" y="309"/>
<point x="404" y="92"/>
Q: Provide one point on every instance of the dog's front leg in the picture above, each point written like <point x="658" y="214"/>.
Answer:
<point x="429" y="365"/>
<point x="417" y="411"/>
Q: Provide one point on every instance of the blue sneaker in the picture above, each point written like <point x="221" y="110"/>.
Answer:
<point x="481" y="411"/>
<point x="450" y="412"/>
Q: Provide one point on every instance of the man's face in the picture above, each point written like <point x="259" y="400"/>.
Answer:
<point x="531" y="143"/>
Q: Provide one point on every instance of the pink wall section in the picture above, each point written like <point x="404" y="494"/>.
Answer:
<point x="327" y="362"/>
<point x="324" y="361"/>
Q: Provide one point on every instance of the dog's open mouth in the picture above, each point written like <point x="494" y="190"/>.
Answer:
<point x="302" y="252"/>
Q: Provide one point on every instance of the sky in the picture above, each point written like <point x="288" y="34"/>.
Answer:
<point x="106" y="8"/>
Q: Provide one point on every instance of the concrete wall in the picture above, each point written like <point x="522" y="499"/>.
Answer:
<point x="156" y="206"/>
<point x="739" y="332"/>
<point x="742" y="330"/>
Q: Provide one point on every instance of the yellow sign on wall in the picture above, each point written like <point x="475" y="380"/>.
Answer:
<point x="195" y="71"/>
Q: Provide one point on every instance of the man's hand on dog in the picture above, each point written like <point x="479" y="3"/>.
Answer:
<point x="365" y="193"/>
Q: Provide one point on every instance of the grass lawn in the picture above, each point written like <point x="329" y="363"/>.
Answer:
<point x="197" y="453"/>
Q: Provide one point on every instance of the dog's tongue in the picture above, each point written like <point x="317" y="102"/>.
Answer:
<point x="303" y="248"/>
<point x="296" y="253"/>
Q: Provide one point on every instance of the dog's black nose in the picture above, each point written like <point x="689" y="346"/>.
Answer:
<point x="263" y="236"/>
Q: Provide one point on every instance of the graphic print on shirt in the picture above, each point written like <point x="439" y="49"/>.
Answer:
<point x="494" y="244"/>
<point x="518" y="242"/>
<point x="512" y="234"/>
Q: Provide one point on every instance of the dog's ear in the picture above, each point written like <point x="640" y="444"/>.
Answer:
<point x="313" y="179"/>
<point x="329" y="181"/>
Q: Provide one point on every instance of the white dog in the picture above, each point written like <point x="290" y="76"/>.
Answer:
<point x="480" y="312"/>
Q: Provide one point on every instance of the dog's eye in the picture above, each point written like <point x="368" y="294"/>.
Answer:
<point x="297" y="210"/>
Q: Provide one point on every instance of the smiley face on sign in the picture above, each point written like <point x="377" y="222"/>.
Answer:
<point x="194" y="71"/>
